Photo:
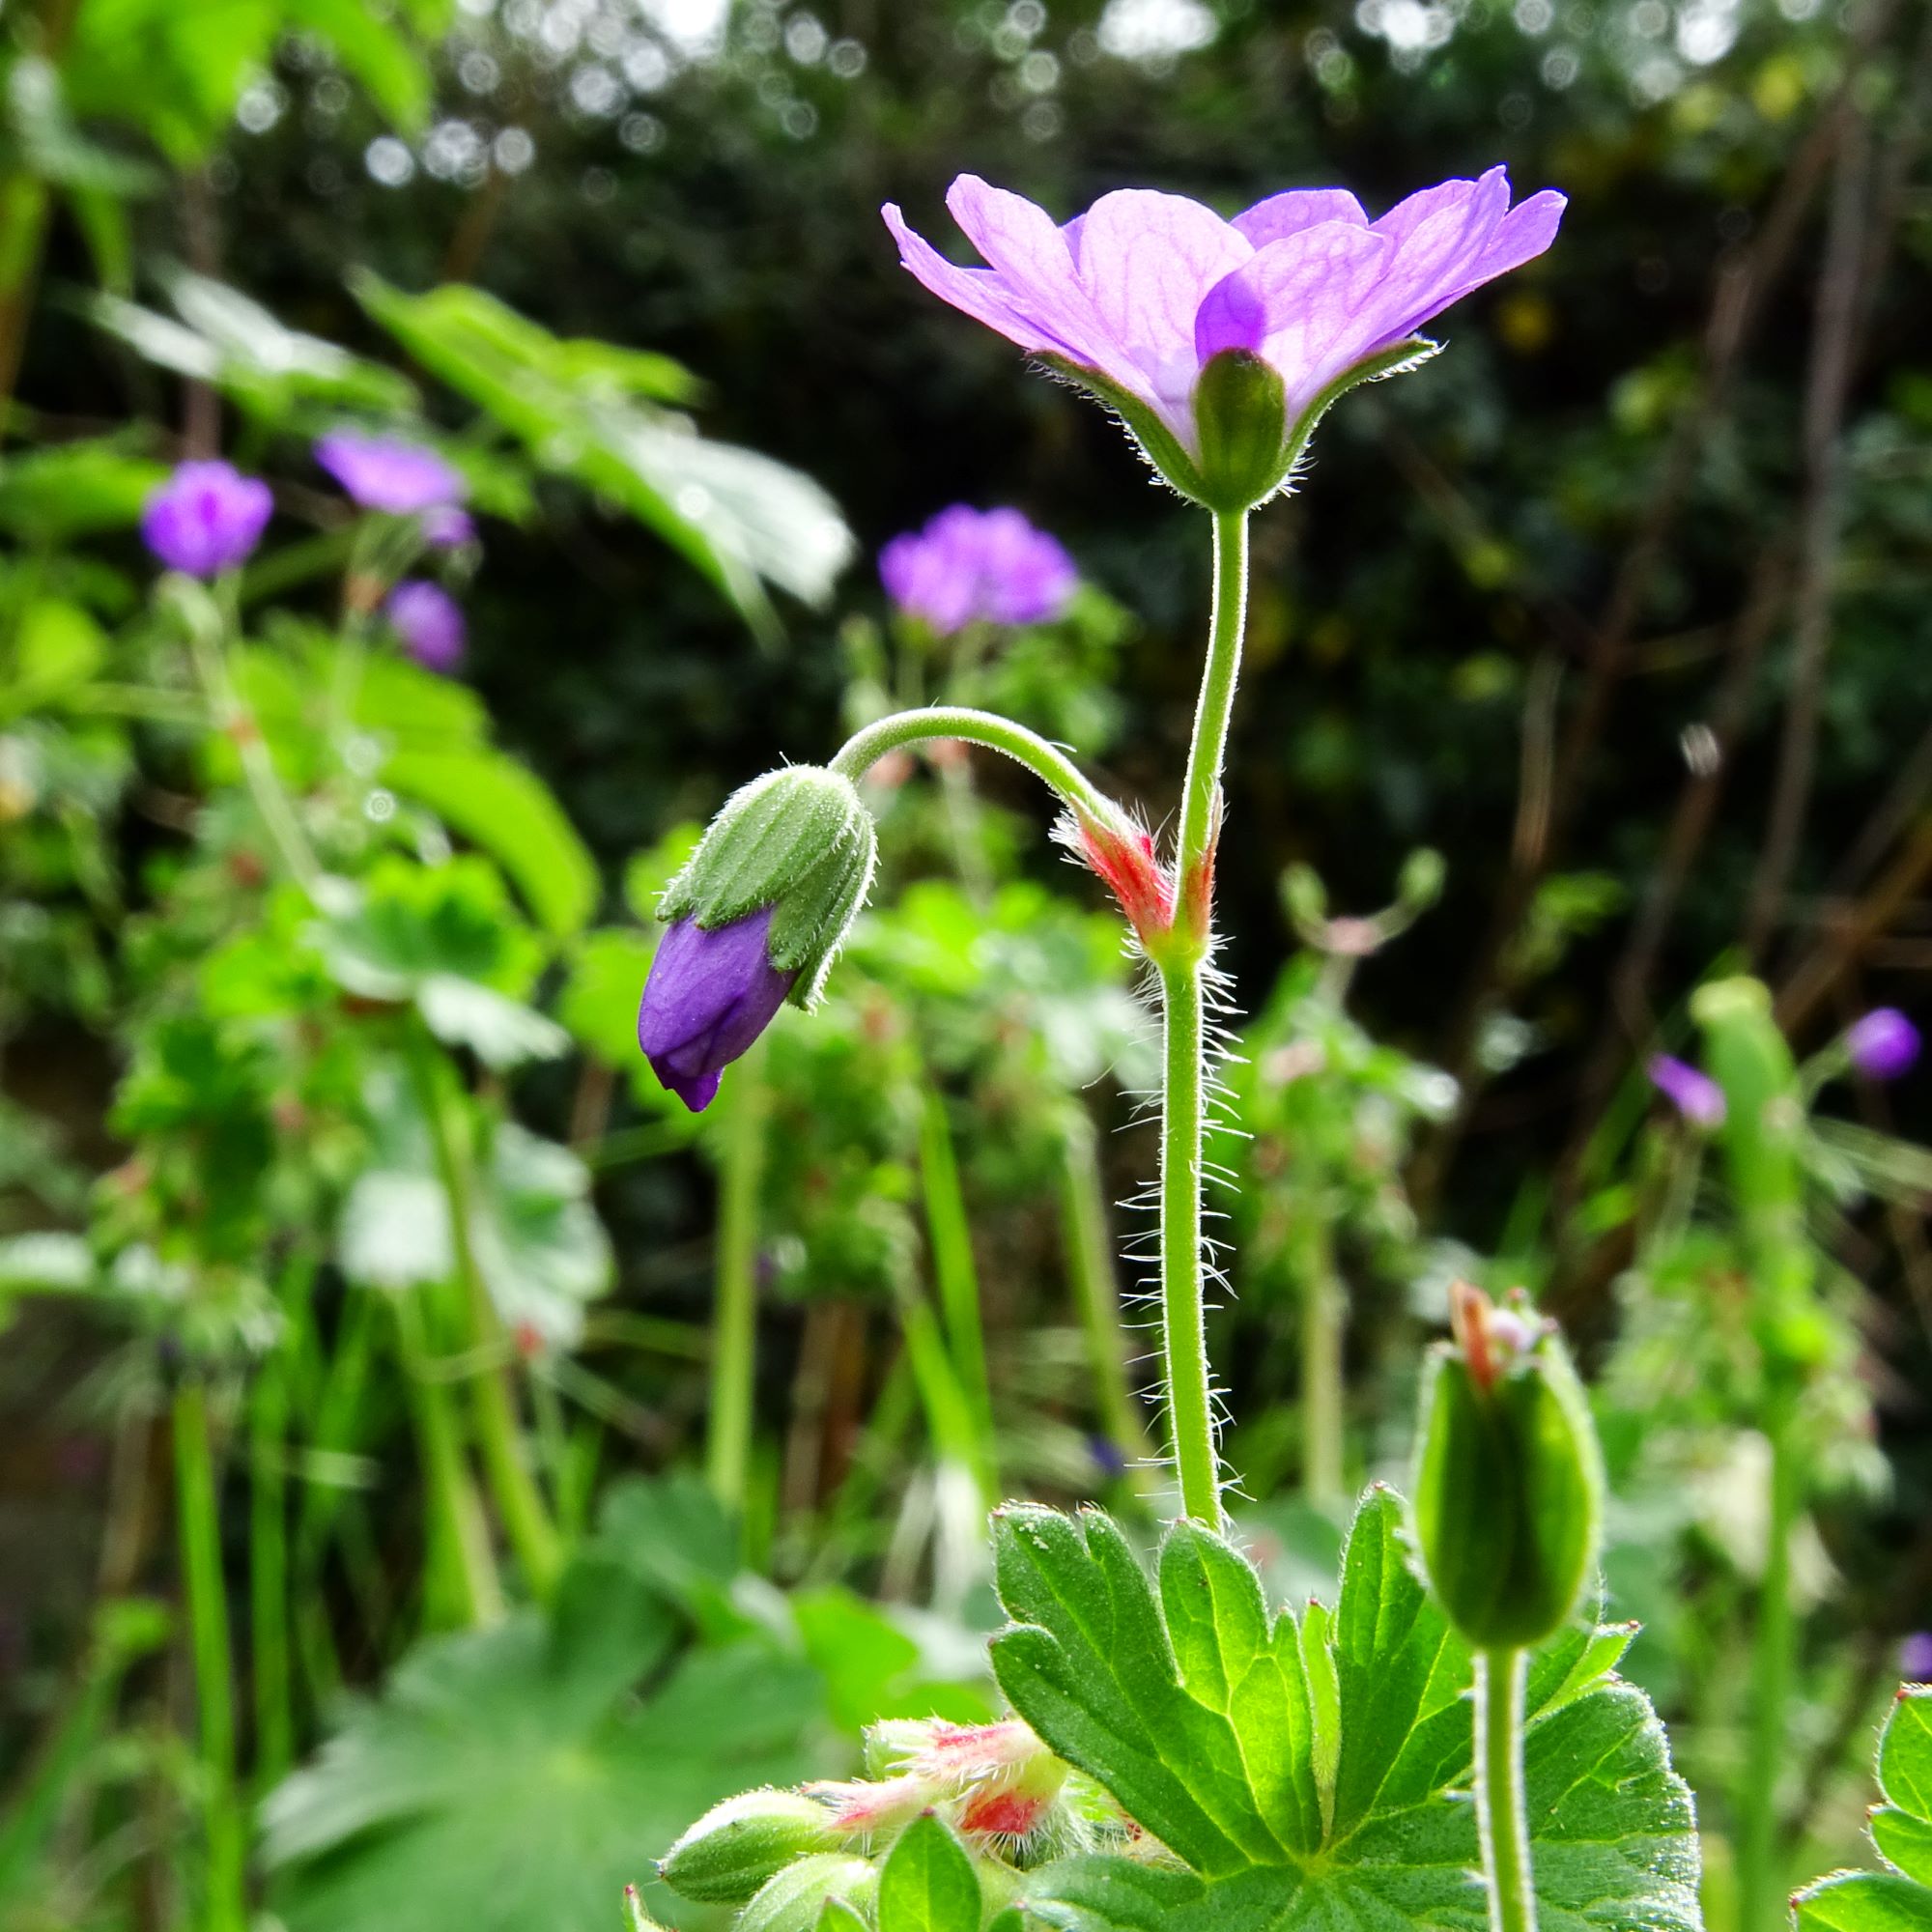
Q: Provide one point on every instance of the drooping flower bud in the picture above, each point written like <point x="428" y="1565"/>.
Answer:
<point x="1883" y="1044"/>
<point x="736" y="1846"/>
<point x="757" y="916"/>
<point x="1123" y="855"/>
<point x="1695" y="1095"/>
<point x="1508" y="1488"/>
<point x="791" y="1900"/>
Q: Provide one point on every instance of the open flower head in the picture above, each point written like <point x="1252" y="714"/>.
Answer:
<point x="206" y="518"/>
<point x="1154" y="301"/>
<point x="382" y="472"/>
<point x="971" y="566"/>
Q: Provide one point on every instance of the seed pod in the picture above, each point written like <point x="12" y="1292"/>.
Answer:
<point x="736" y="1846"/>
<point x="791" y="1900"/>
<point x="1508" y="1488"/>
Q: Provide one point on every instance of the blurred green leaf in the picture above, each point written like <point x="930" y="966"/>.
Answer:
<point x="1898" y="1899"/>
<point x="493" y="801"/>
<point x="739" y="516"/>
<point x="63" y="490"/>
<point x="520" y="1776"/>
<point x="57" y="648"/>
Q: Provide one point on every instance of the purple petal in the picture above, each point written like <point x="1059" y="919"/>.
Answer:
<point x="1146" y="260"/>
<point x="1036" y="268"/>
<point x="206" y="518"/>
<point x="710" y="994"/>
<point x="976" y="292"/>
<point x="1695" y="1095"/>
<point x="381" y="472"/>
<point x="430" y="623"/>
<point x="1313" y="292"/>
<point x="1426" y="204"/>
<point x="1282" y="215"/>
<point x="968" y="566"/>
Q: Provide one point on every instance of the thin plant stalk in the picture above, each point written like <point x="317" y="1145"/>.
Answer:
<point x="1761" y="1887"/>
<point x="728" y="1447"/>
<point x="1083" y="1220"/>
<point x="1501" y="1822"/>
<point x="955" y="1276"/>
<point x="1324" y="1313"/>
<point x="464" y="1588"/>
<point x="225" y="1905"/>
<point x="500" y="1431"/>
<point x="1184" y="970"/>
<point x="268" y="1572"/>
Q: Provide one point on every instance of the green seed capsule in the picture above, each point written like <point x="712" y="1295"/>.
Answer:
<point x="1508" y="1480"/>
<point x="738" y="1845"/>
<point x="792" y="1899"/>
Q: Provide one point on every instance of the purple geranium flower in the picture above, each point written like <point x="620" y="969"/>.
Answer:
<point x="381" y="474"/>
<point x="429" y="621"/>
<point x="206" y="518"/>
<point x="1695" y="1095"/>
<point x="1884" y="1044"/>
<point x="978" y="566"/>
<point x="710" y="994"/>
<point x="1145" y="288"/>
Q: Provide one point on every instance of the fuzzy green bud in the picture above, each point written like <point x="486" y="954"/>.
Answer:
<point x="736" y="1846"/>
<point x="1240" y="415"/>
<point x="1508" y="1488"/>
<point x="791" y="1900"/>
<point x="798" y="839"/>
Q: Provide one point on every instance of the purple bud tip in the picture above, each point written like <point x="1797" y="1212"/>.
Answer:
<point x="429" y="621"/>
<point x="381" y="474"/>
<point x="1884" y="1044"/>
<point x="708" y="997"/>
<point x="971" y="566"/>
<point x="1914" y="1657"/>
<point x="206" y="518"/>
<point x="446" y="527"/>
<point x="1695" y="1095"/>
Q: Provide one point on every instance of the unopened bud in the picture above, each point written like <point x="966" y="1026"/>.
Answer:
<point x="1508" y="1489"/>
<point x="791" y="1900"/>
<point x="738" y="1845"/>
<point x="1123" y="855"/>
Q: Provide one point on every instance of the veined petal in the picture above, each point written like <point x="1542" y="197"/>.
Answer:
<point x="1310" y="293"/>
<point x="1287" y="214"/>
<point x="1521" y="235"/>
<point x="1491" y="191"/>
<point x="1437" y="261"/>
<point x="1035" y="267"/>
<point x="1147" y="260"/>
<point x="976" y="292"/>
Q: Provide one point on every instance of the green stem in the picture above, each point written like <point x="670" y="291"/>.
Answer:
<point x="1761" y="1887"/>
<point x="727" y="1446"/>
<point x="208" y="643"/>
<point x="1501" y="1822"/>
<point x="1083" y="1219"/>
<point x="200" y="1527"/>
<point x="268" y="1572"/>
<point x="954" y="1275"/>
<point x="463" y="1589"/>
<point x="1048" y="762"/>
<point x="1183" y="967"/>
<point x="1323" y="1312"/>
<point x="499" y="1430"/>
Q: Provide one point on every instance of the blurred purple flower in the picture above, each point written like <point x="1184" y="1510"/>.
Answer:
<point x="206" y="518"/>
<point x="429" y="621"/>
<point x="1695" y="1095"/>
<point x="978" y="566"/>
<point x="708" y="997"/>
<point x="1914" y="1657"/>
<point x="446" y="527"/>
<point x="1144" y="287"/>
<point x="381" y="474"/>
<point x="1884" y="1044"/>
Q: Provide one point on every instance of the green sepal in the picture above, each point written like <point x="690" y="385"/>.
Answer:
<point x="792" y="1900"/>
<point x="736" y="1846"/>
<point x="1508" y="1492"/>
<point x="1240" y="416"/>
<point x="798" y="839"/>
